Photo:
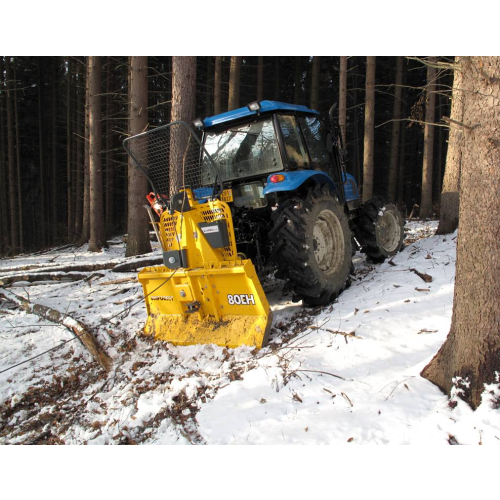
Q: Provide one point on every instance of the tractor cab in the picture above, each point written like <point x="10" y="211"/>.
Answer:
<point x="268" y="148"/>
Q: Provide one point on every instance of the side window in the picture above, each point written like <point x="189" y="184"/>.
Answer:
<point x="311" y="128"/>
<point x="295" y="150"/>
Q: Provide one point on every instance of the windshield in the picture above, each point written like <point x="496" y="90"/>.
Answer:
<point x="243" y="151"/>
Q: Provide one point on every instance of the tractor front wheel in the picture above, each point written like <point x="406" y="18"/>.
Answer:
<point x="313" y="247"/>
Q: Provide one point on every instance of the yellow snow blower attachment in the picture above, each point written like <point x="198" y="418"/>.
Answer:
<point x="205" y="293"/>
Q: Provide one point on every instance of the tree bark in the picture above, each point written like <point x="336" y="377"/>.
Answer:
<point x="368" y="149"/>
<point x="14" y="228"/>
<point x="109" y="147"/>
<point x="470" y="357"/>
<point x="208" y="104"/>
<point x="277" y="83"/>
<point x="4" y="201"/>
<point x="217" y="86"/>
<point x="234" y="83"/>
<point x="183" y="108"/>
<point x="260" y="79"/>
<point x="449" y="211"/>
<point x="343" y="98"/>
<point x="315" y="83"/>
<point x="69" y="136"/>
<point x="396" y="128"/>
<point x="42" y="204"/>
<point x="97" y="225"/>
<point x="297" y="85"/>
<point x="54" y="216"/>
<point x="428" y="165"/>
<point x="80" y="159"/>
<point x="138" y="223"/>
<point x="18" y="167"/>
<point x="86" y="165"/>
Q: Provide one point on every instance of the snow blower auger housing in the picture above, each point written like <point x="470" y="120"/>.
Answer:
<point x="205" y="292"/>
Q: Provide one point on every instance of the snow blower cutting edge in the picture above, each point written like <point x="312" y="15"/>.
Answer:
<point x="205" y="292"/>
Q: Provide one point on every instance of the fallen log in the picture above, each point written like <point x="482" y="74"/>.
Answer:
<point x="32" y="278"/>
<point x="74" y="326"/>
<point x="133" y="266"/>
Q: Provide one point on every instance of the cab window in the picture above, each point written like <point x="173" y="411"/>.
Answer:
<point x="294" y="146"/>
<point x="313" y="134"/>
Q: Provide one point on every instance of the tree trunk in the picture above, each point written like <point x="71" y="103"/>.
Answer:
<point x="343" y="98"/>
<point x="428" y="166"/>
<point x="69" y="173"/>
<point x="14" y="228"/>
<point x="368" y="150"/>
<point x="54" y="216"/>
<point x="137" y="222"/>
<point x="183" y="108"/>
<point x="297" y="86"/>
<point x="260" y="79"/>
<point x="277" y="83"/>
<point x="315" y="82"/>
<point x="208" y="105"/>
<point x="97" y="225"/>
<point x="234" y="83"/>
<point x="18" y="168"/>
<point x="448" y="214"/>
<point x="109" y="147"/>
<point x="86" y="162"/>
<point x="217" y="86"/>
<point x="396" y="128"/>
<point x="43" y="214"/>
<point x="80" y="159"/>
<point x="4" y="201"/>
<point x="470" y="357"/>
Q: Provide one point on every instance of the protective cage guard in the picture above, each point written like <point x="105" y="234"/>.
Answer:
<point x="171" y="158"/>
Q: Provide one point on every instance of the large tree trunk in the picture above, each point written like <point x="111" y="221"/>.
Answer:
<point x="97" y="227"/>
<point x="86" y="162"/>
<point x="260" y="79"/>
<point x="368" y="150"/>
<point x="183" y="108"/>
<point x="343" y="98"/>
<point x="448" y="215"/>
<point x="14" y="228"/>
<point x="315" y="82"/>
<point x="217" y="86"/>
<point x="138" y="222"/>
<point x="428" y="166"/>
<point x="80" y="159"/>
<point x="396" y="128"/>
<point x="470" y="357"/>
<point x="234" y="83"/>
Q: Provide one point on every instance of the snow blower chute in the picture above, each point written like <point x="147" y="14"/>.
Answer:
<point x="205" y="292"/>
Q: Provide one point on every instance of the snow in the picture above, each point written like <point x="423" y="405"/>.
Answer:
<point x="343" y="374"/>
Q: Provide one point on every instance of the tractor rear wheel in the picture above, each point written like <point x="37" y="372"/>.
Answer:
<point x="382" y="227"/>
<point x="312" y="246"/>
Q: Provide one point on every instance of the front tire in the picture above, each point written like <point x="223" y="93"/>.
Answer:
<point x="313" y="246"/>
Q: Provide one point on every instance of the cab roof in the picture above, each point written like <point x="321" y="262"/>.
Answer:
<point x="265" y="107"/>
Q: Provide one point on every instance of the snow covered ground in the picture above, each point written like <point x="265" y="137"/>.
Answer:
<point x="347" y="373"/>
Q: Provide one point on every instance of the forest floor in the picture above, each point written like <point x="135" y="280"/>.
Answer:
<point x="346" y="373"/>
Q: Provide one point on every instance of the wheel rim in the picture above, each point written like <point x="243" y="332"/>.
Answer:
<point x="389" y="231"/>
<point x="328" y="240"/>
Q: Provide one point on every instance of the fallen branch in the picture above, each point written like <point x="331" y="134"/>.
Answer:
<point x="336" y="332"/>
<point x="116" y="282"/>
<point x="133" y="266"/>
<point x="74" y="326"/>
<point x="32" y="278"/>
<point x="426" y="277"/>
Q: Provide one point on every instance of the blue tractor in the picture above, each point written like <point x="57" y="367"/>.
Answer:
<point x="295" y="208"/>
<point x="296" y="211"/>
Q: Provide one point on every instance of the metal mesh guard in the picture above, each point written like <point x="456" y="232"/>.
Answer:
<point x="171" y="156"/>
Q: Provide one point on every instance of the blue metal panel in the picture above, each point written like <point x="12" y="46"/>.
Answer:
<point x="293" y="180"/>
<point x="265" y="107"/>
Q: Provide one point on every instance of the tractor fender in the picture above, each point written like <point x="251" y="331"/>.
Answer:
<point x="293" y="180"/>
